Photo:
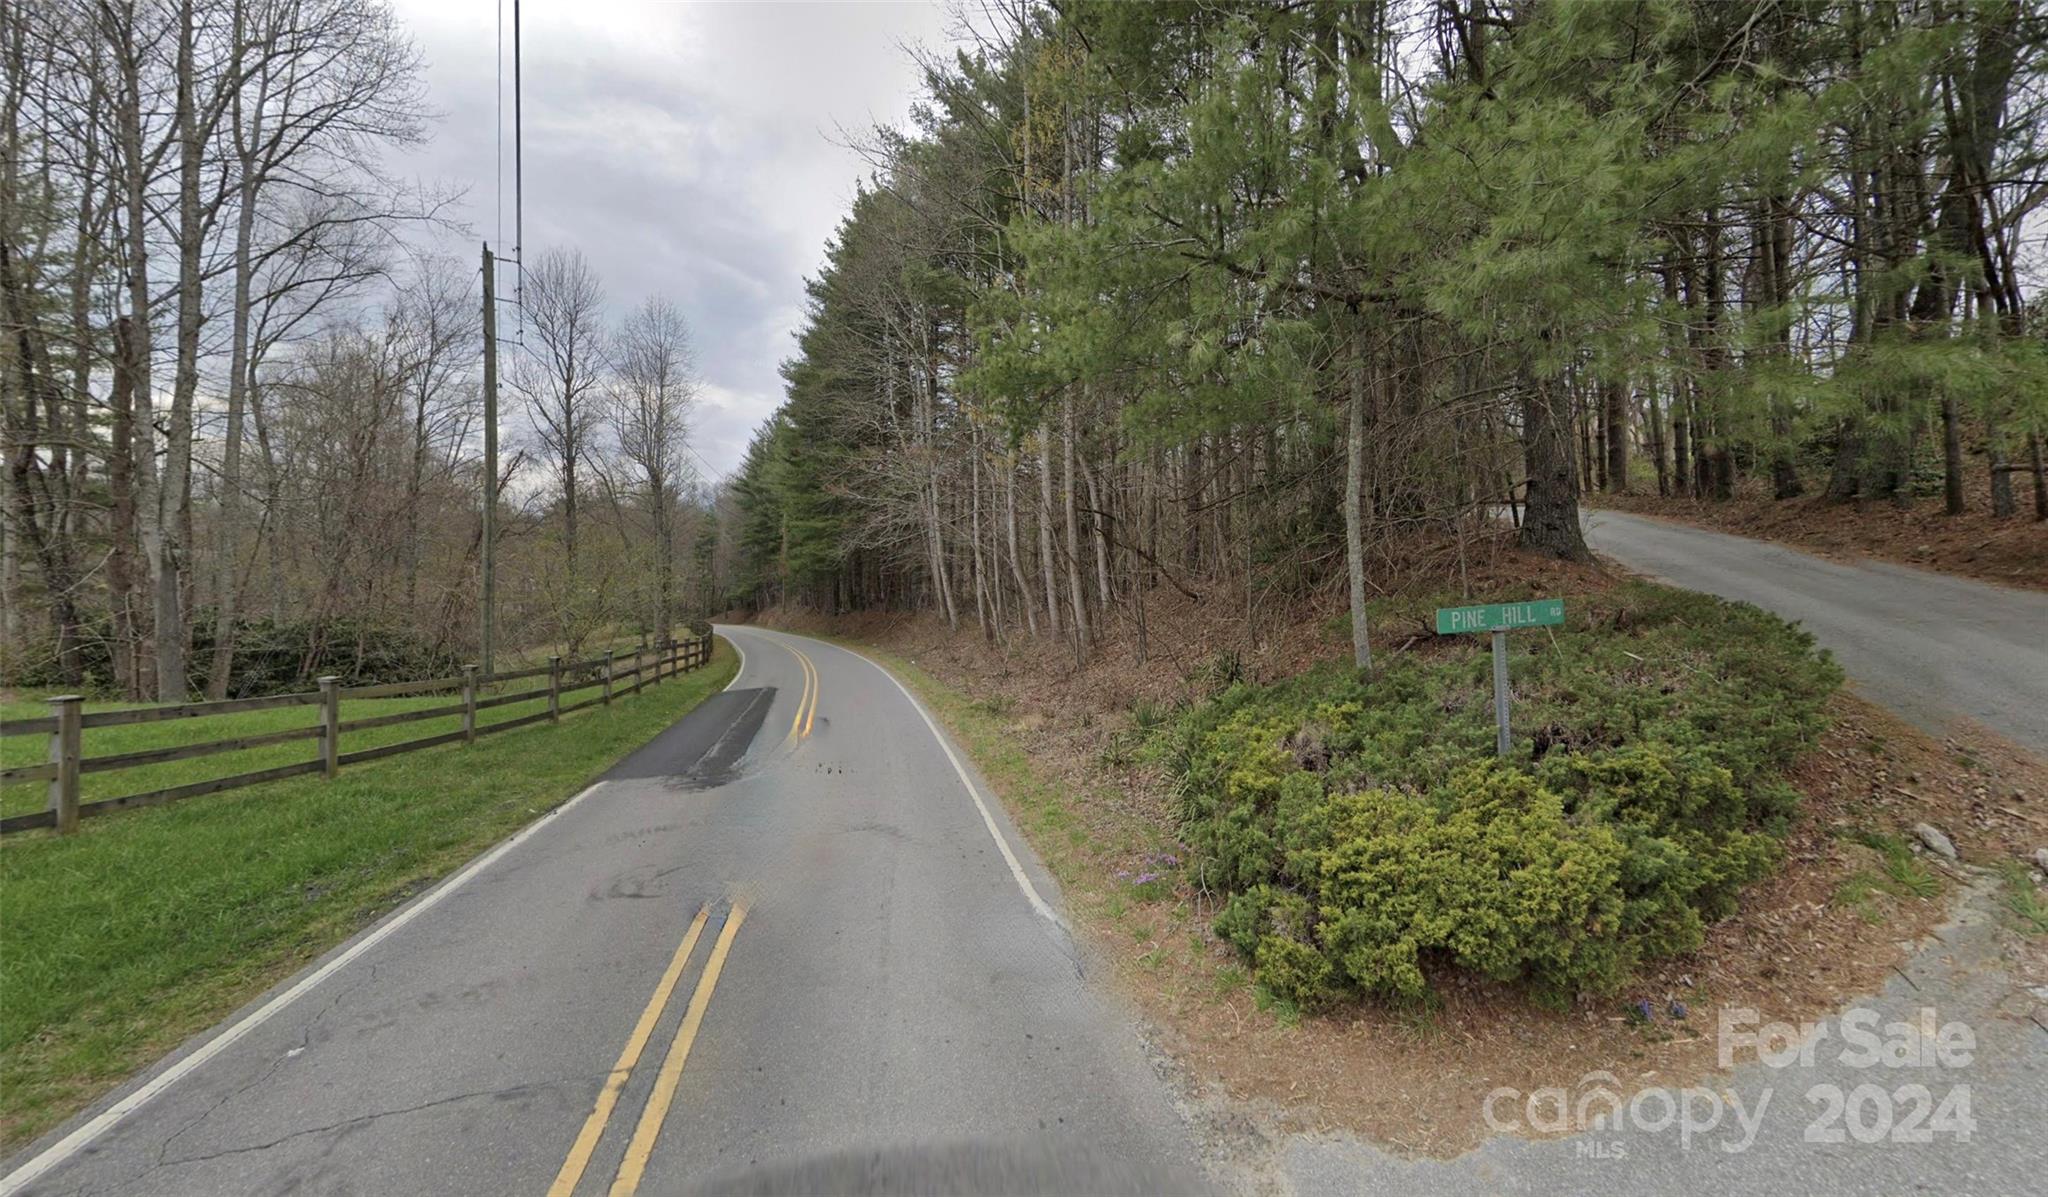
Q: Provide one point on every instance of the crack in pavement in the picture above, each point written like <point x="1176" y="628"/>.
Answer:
<point x="366" y="1119"/>
<point x="305" y="1041"/>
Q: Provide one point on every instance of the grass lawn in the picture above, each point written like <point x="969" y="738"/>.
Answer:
<point x="152" y="924"/>
<point x="27" y="796"/>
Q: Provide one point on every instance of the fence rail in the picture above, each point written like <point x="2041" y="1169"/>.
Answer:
<point x="66" y="726"/>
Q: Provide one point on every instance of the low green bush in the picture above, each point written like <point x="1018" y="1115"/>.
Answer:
<point x="1368" y="839"/>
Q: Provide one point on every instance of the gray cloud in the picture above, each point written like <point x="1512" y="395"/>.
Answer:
<point x="687" y="149"/>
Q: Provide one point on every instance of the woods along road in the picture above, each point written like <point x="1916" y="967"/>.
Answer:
<point x="793" y="945"/>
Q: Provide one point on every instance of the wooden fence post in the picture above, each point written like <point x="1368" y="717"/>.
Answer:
<point x="330" y="726"/>
<point x="65" y="750"/>
<point x="639" y="678"/>
<point x="469" y="704"/>
<point x="661" y="652"/>
<point x="608" y="677"/>
<point x="554" y="689"/>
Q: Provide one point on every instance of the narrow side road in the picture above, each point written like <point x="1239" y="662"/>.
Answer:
<point x="783" y="947"/>
<point x="1929" y="646"/>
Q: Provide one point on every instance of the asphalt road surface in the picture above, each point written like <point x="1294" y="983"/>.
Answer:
<point x="1929" y="646"/>
<point x="785" y="947"/>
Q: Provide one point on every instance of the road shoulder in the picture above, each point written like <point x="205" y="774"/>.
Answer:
<point x="392" y="836"/>
<point x="1406" y="1086"/>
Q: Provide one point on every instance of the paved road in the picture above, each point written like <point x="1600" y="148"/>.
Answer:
<point x="1928" y="646"/>
<point x="784" y="947"/>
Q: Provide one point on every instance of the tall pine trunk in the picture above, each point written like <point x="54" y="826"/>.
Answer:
<point x="1073" y="545"/>
<point x="1354" y="502"/>
<point x="1550" y="524"/>
<point x="1016" y="559"/>
<point x="1045" y="550"/>
<point x="1616" y="427"/>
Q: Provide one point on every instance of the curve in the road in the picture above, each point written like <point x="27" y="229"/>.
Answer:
<point x="1930" y="646"/>
<point x="902" y="988"/>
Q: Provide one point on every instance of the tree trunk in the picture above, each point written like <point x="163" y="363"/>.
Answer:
<point x="1951" y="457"/>
<point x="1582" y="412"/>
<point x="173" y="496"/>
<point x="1681" y="450"/>
<point x="1098" y="521"/>
<point x="984" y="607"/>
<point x="1616" y="427"/>
<point x="1045" y="551"/>
<point x="1073" y="545"/>
<point x="1354" y="503"/>
<point x="121" y="516"/>
<point x="10" y="563"/>
<point x="569" y="456"/>
<point x="1016" y="559"/>
<point x="1654" y="426"/>
<point x="227" y="529"/>
<point x="1550" y="525"/>
<point x="1845" y="479"/>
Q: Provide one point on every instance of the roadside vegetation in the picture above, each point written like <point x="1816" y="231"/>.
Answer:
<point x="1367" y="838"/>
<point x="1759" y="764"/>
<point x="150" y="925"/>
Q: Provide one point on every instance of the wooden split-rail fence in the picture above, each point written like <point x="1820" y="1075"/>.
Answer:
<point x="69" y="721"/>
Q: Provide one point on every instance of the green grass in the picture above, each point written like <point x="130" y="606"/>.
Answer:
<point x="152" y="924"/>
<point x="1904" y="874"/>
<point x="2027" y="909"/>
<point x="24" y="797"/>
<point x="1897" y="875"/>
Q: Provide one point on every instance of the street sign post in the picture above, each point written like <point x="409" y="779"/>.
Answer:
<point x="1499" y="619"/>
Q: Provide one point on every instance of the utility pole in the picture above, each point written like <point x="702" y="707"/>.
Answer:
<point x="490" y="545"/>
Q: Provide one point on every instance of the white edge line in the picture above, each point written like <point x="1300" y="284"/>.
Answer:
<point x="72" y="1143"/>
<point x="730" y="682"/>
<point x="1038" y="903"/>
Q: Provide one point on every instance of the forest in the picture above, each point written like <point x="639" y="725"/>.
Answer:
<point x="1226" y="297"/>
<point x="241" y="373"/>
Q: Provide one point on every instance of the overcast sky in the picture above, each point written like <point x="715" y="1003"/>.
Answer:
<point x="689" y="149"/>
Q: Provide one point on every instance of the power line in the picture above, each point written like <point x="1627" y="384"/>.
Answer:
<point x="518" y="178"/>
<point x="498" y="138"/>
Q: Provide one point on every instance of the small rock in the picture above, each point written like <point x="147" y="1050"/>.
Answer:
<point x="1936" y="842"/>
<point x="2041" y="859"/>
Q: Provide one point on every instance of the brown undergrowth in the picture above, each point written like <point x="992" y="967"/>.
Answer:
<point x="1848" y="902"/>
<point x="2011" y="551"/>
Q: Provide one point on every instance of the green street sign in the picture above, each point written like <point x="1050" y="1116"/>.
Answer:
<point x="1499" y="617"/>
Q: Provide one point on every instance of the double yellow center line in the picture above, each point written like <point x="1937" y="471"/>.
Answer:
<point x="807" y="702"/>
<point x="634" y="1165"/>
